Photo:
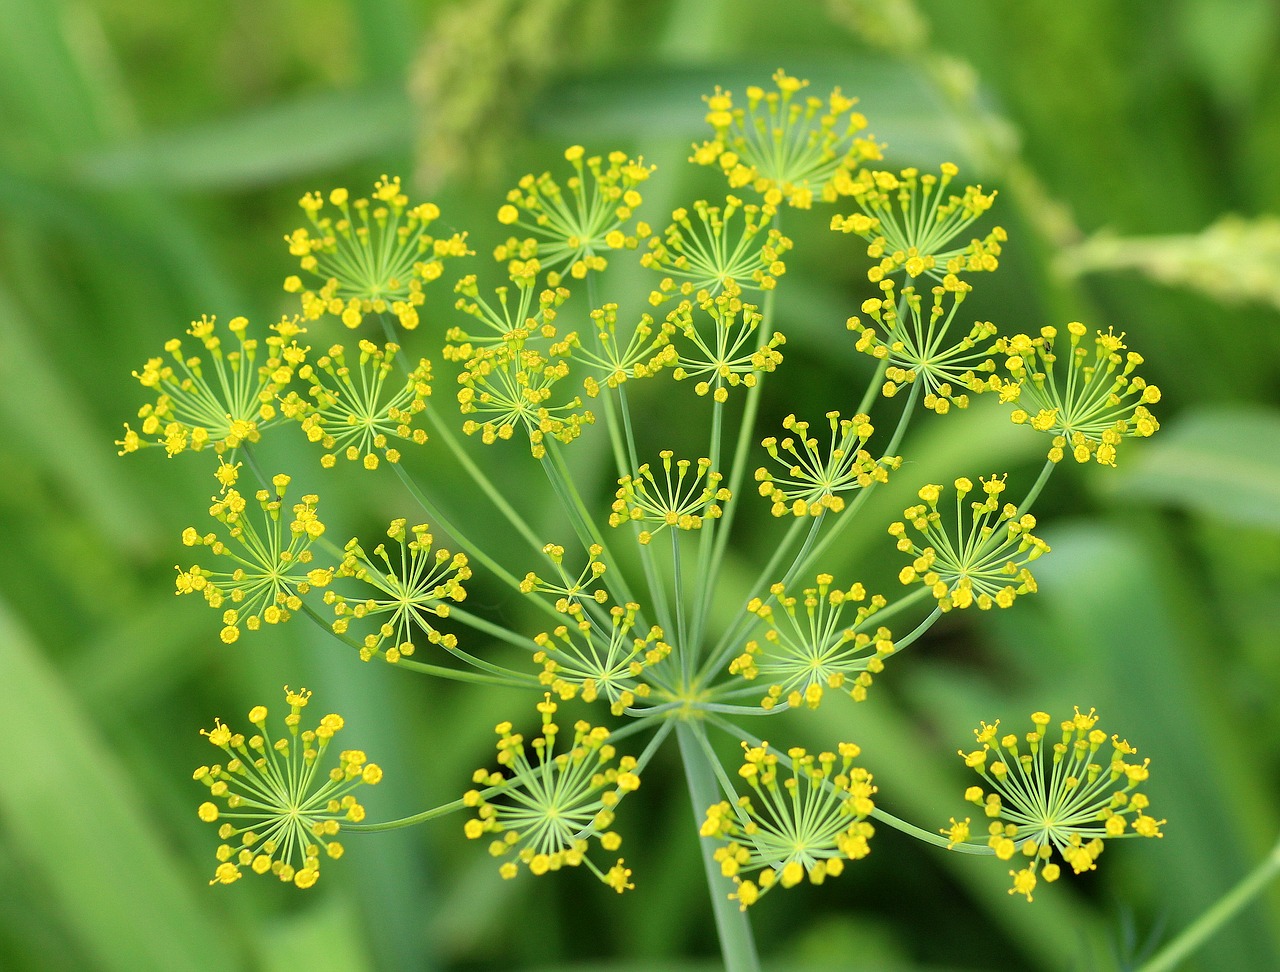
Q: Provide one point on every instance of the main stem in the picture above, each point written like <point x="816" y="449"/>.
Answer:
<point x="737" y="944"/>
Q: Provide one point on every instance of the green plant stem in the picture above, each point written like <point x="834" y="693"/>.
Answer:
<point x="1034" y="493"/>
<point x="417" y="818"/>
<point x="682" y="645"/>
<point x="511" y="679"/>
<point x="737" y="945"/>
<point x="1222" y="911"/>
<point x="897" y="823"/>
<point x="710" y="527"/>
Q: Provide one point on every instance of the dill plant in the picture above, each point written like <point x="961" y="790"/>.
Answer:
<point x="541" y="352"/>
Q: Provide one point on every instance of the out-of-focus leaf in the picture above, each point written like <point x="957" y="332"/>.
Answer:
<point x="1220" y="461"/>
<point x="324" y="938"/>
<point x="73" y="815"/>
<point x="39" y="405"/>
<point x="1230" y="42"/>
<point x="265" y="146"/>
<point x="1235" y="260"/>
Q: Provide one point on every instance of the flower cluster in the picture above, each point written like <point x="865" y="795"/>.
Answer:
<point x="271" y="571"/>
<point x="549" y="805"/>
<point x="786" y="147"/>
<point x="647" y="351"/>
<point x="708" y="257"/>
<point x="804" y="654"/>
<point x="220" y="402"/>
<point x="1062" y="796"/>
<point x="672" y="503"/>
<point x="816" y="479"/>
<point x="731" y="355"/>
<point x="372" y="256"/>
<point x="355" y="415"/>
<point x="909" y="225"/>
<point x="283" y="809"/>
<point x="984" y="564"/>
<point x="1087" y="403"/>
<point x="413" y="589"/>
<point x="575" y="226"/>
<point x="916" y="347"/>
<point x="808" y="825"/>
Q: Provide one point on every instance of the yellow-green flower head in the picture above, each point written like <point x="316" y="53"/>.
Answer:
<point x="805" y="652"/>
<point x="371" y="256"/>
<point x="547" y="807"/>
<point x="269" y="569"/>
<point x="730" y="355"/>
<point x="1089" y="402"/>
<point x="283" y="809"/>
<point x="808" y="824"/>
<point x="647" y="352"/>
<point x="1068" y="795"/>
<point x="593" y="658"/>
<point x="570" y="589"/>
<point x="412" y="586"/>
<point x="816" y="478"/>
<point x="356" y="415"/>
<point x="984" y="563"/>
<point x="531" y="313"/>
<point x="785" y="146"/>
<point x="680" y="501"/>
<point x="221" y="399"/>
<point x="575" y="226"/>
<point x="511" y="384"/>
<point x="711" y="255"/>
<point x="919" y="346"/>
<point x="911" y="224"/>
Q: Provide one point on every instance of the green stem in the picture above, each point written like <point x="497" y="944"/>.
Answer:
<point x="682" y="642"/>
<point x="1222" y="911"/>
<point x="417" y="818"/>
<point x="702" y="605"/>
<point x="1045" y="473"/>
<point x="737" y="945"/>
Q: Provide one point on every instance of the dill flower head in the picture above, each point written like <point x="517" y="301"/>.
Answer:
<point x="371" y="255"/>
<point x="645" y="353"/>
<point x="730" y="355"/>
<point x="221" y="399"/>
<point x="711" y="255"/>
<point x="511" y="385"/>
<point x="355" y="415"/>
<point x="569" y="589"/>
<point x="985" y="563"/>
<point x="786" y="146"/>
<point x="917" y="347"/>
<point x="815" y="478"/>
<point x="1089" y="402"/>
<point x="283" y="810"/>
<point x="548" y="806"/>
<point x="592" y="657"/>
<point x="510" y="317"/>
<point x="680" y="501"/>
<point x="911" y="224"/>
<point x="412" y="586"/>
<point x="805" y="652"/>
<point x="807" y="825"/>
<point x="575" y="226"/>
<point x="1068" y="795"/>
<point x="269" y="568"/>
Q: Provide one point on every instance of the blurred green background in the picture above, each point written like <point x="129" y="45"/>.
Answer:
<point x="151" y="156"/>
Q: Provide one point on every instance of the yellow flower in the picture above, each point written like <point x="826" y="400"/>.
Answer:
<point x="221" y="400"/>
<point x="807" y="826"/>
<point x="672" y="503"/>
<point x="814" y="481"/>
<point x="1087" y="403"/>
<point x="282" y="811"/>
<point x="371" y="256"/>
<point x="1064" y="796"/>
<point x="787" y="148"/>
<point x="548" y="806"/>
<point x="730" y="355"/>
